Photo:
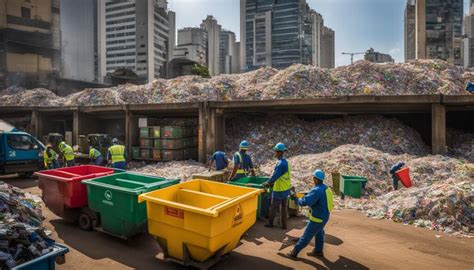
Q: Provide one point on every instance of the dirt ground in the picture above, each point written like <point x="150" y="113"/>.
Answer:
<point x="353" y="241"/>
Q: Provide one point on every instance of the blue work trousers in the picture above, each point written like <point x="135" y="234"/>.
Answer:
<point x="315" y="230"/>
<point x="70" y="163"/>
<point x="99" y="160"/>
<point x="120" y="165"/>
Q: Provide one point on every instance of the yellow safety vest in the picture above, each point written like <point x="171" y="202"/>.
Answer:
<point x="330" y="205"/>
<point x="94" y="153"/>
<point x="117" y="152"/>
<point x="241" y="170"/>
<point x="283" y="183"/>
<point x="67" y="152"/>
<point x="48" y="159"/>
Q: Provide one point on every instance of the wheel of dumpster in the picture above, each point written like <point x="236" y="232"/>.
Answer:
<point x="86" y="220"/>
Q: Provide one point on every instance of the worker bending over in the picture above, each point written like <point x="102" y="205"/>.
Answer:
<point x="320" y="202"/>
<point x="395" y="168"/>
<point x="95" y="156"/>
<point x="68" y="154"/>
<point x="116" y="155"/>
<point x="281" y="182"/>
<point x="242" y="163"/>
<point x="220" y="159"/>
<point x="50" y="158"/>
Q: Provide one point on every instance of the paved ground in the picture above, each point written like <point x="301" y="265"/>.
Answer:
<point x="353" y="241"/>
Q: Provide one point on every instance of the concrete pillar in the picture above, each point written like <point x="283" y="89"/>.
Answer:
<point x="202" y="132"/>
<point x="131" y="129"/>
<point x="75" y="127"/>
<point x="34" y="124"/>
<point x="438" y="129"/>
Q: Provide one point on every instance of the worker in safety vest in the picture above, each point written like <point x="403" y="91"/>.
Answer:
<point x="220" y="159"/>
<point x="50" y="158"/>
<point x="320" y="203"/>
<point x="95" y="156"/>
<point x="242" y="163"/>
<point x="116" y="155"/>
<point x="68" y="154"/>
<point x="281" y="182"/>
<point x="395" y="168"/>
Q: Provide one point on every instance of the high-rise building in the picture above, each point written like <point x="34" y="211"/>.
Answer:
<point x="192" y="45"/>
<point x="328" y="56"/>
<point x="236" y="57"/>
<point x="280" y="33"/>
<point x="79" y="55"/>
<point x="227" y="55"/>
<point x="29" y="43"/>
<point x="467" y="46"/>
<point x="410" y="27"/>
<point x="137" y="35"/>
<point x="376" y="57"/>
<point x="438" y="30"/>
<point x="213" y="30"/>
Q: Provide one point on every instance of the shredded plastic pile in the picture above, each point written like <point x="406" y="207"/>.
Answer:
<point x="182" y="170"/>
<point x="461" y="144"/>
<point x="310" y="137"/>
<point x="427" y="77"/>
<point x="22" y="237"/>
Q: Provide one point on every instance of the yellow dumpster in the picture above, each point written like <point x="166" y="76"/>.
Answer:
<point x="198" y="220"/>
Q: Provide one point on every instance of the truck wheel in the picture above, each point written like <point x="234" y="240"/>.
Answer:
<point x="85" y="221"/>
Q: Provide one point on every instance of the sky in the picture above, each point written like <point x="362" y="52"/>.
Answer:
<point x="358" y="24"/>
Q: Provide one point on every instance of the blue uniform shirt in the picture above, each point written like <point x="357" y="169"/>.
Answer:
<point x="396" y="168"/>
<point x="246" y="161"/>
<point x="280" y="169"/>
<point x="316" y="199"/>
<point x="220" y="159"/>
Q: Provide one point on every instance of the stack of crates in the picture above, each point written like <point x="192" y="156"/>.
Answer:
<point x="166" y="143"/>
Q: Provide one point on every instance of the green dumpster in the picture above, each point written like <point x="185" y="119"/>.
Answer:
<point x="256" y="182"/>
<point x="115" y="199"/>
<point x="351" y="185"/>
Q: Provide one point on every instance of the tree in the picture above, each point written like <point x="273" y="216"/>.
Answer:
<point x="201" y="70"/>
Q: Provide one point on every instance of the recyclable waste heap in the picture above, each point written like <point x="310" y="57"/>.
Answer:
<point x="22" y="238"/>
<point x="418" y="77"/>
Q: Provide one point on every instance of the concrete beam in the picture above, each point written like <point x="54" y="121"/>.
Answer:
<point x="438" y="129"/>
<point x="215" y="131"/>
<point x="202" y="131"/>
<point x="75" y="127"/>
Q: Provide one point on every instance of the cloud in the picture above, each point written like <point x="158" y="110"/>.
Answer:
<point x="395" y="51"/>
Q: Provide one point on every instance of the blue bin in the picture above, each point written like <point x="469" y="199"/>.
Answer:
<point x="45" y="262"/>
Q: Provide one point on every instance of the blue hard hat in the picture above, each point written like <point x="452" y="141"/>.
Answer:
<point x="244" y="145"/>
<point x="279" y="147"/>
<point x="319" y="174"/>
<point x="114" y="140"/>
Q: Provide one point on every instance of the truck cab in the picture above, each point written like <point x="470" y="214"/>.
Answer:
<point x="20" y="153"/>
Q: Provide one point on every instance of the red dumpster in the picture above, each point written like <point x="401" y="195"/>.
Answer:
<point x="404" y="176"/>
<point x="62" y="188"/>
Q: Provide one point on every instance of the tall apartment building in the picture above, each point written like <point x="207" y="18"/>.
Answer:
<point x="192" y="45"/>
<point x="410" y="27"/>
<point x="227" y="55"/>
<point x="136" y="35"/>
<point x="281" y="33"/>
<point x="29" y="43"/>
<point x="438" y="30"/>
<point x="213" y="30"/>
<point x="328" y="56"/>
<point x="377" y="57"/>
<point x="79" y="54"/>
<point x="467" y="46"/>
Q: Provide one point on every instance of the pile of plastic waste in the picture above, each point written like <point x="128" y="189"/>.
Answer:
<point x="420" y="77"/>
<point x="22" y="238"/>
<point x="182" y="170"/>
<point x="309" y="137"/>
<point x="460" y="144"/>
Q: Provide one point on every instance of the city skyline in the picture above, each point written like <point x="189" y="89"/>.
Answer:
<point x="349" y="37"/>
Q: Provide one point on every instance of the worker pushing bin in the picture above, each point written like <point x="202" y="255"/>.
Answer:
<point x="62" y="190"/>
<point x="114" y="204"/>
<point x="198" y="221"/>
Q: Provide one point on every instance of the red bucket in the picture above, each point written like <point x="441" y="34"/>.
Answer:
<point x="404" y="176"/>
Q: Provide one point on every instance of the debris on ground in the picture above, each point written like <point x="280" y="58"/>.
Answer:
<point x="182" y="170"/>
<point x="309" y="137"/>
<point x="460" y="144"/>
<point x="418" y="77"/>
<point x="22" y="237"/>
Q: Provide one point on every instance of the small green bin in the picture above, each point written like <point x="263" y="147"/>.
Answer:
<point x="115" y="199"/>
<point x="172" y="132"/>
<point x="351" y="185"/>
<point x="157" y="144"/>
<point x="155" y="132"/>
<point x="256" y="182"/>
<point x="135" y="152"/>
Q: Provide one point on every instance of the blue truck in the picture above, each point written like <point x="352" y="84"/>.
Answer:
<point x="19" y="152"/>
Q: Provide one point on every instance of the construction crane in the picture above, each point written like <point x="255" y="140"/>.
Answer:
<point x="352" y="56"/>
